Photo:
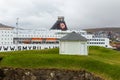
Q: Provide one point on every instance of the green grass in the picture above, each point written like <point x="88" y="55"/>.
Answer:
<point x="100" y="61"/>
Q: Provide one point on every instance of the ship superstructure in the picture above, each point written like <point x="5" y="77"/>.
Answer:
<point x="12" y="39"/>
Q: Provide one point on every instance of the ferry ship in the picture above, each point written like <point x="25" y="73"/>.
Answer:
<point x="12" y="39"/>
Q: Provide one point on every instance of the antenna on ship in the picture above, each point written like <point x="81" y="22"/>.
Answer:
<point x="17" y="33"/>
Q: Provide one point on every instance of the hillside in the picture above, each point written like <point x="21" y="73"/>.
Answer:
<point x="103" y="29"/>
<point x="5" y="26"/>
<point x="100" y="61"/>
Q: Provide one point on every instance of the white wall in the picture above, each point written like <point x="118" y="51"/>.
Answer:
<point x="73" y="48"/>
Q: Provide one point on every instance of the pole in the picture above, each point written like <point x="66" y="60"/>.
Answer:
<point x="17" y="33"/>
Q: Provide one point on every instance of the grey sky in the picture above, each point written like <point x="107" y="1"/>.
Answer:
<point x="77" y="13"/>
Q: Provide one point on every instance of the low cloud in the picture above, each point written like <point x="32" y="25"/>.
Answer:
<point x="77" y="13"/>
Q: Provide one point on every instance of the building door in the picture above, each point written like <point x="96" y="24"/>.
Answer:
<point x="82" y="49"/>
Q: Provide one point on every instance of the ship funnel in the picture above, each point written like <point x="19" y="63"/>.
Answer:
<point x="60" y="18"/>
<point x="60" y="24"/>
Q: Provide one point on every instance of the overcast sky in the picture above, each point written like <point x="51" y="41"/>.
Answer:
<point x="44" y="13"/>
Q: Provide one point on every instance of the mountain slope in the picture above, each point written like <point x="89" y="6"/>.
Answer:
<point x="103" y="29"/>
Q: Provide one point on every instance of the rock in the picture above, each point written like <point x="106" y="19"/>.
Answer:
<point x="45" y="74"/>
<point x="2" y="75"/>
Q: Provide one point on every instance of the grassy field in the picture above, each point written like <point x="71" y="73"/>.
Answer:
<point x="100" y="61"/>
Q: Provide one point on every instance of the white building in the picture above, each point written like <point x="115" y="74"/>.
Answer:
<point x="73" y="44"/>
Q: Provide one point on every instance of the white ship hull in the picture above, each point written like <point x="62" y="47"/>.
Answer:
<point x="20" y="47"/>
